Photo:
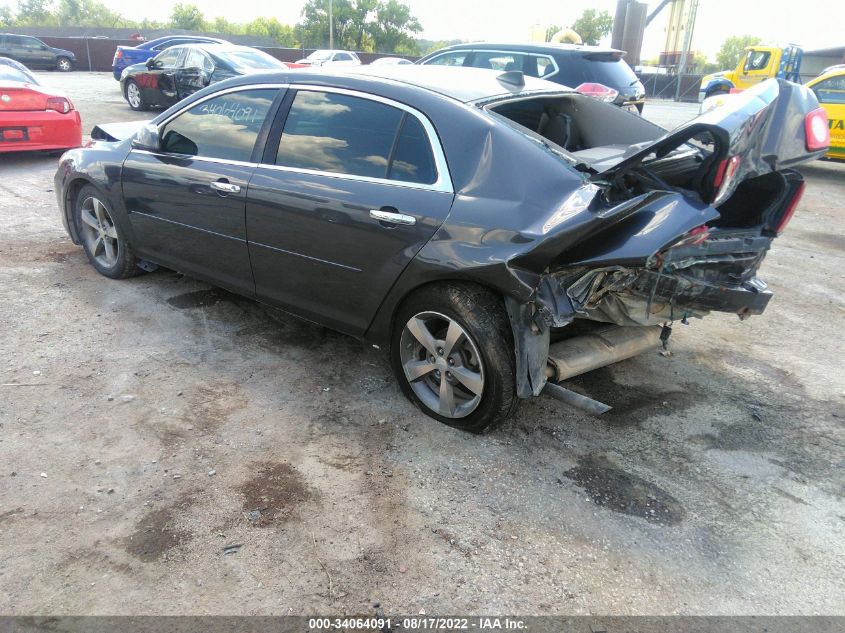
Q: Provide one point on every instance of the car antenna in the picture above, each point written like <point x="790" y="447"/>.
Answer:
<point x="513" y="77"/>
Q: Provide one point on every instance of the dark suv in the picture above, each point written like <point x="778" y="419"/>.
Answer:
<point x="33" y="53"/>
<point x="576" y="66"/>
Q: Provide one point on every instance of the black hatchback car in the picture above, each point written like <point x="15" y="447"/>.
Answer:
<point x="493" y="232"/>
<point x="179" y="71"/>
<point x="33" y="53"/>
<point x="598" y="72"/>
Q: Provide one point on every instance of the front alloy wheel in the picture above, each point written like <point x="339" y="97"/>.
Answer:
<point x="64" y="65"/>
<point x="134" y="96"/>
<point x="99" y="235"/>
<point x="442" y="364"/>
<point x="106" y="248"/>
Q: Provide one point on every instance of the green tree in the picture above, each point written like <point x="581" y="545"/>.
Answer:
<point x="271" y="27"/>
<point x="593" y="25"/>
<point x="7" y="18"/>
<point x="88" y="13"/>
<point x="35" y="12"/>
<point x="187" y="17"/>
<point x="554" y="28"/>
<point x="313" y="29"/>
<point x="393" y="27"/>
<point x="732" y="50"/>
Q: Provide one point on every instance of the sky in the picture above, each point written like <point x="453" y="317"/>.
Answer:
<point x="817" y="24"/>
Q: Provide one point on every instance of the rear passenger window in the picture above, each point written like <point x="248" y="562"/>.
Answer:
<point x="504" y="62"/>
<point x="449" y="59"/>
<point x="339" y="133"/>
<point x="412" y="160"/>
<point x="224" y="127"/>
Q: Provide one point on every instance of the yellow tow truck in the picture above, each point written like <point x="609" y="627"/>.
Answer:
<point x="757" y="64"/>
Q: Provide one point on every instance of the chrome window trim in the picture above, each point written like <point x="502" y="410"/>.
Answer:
<point x="500" y="52"/>
<point x="204" y="159"/>
<point x="443" y="182"/>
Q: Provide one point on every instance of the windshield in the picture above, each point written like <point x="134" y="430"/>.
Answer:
<point x="8" y="73"/>
<point x="250" y="60"/>
<point x="609" y="69"/>
<point x="319" y="55"/>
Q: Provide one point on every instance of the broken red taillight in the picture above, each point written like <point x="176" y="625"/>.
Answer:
<point x="790" y="210"/>
<point x="817" y="130"/>
<point x="725" y="172"/>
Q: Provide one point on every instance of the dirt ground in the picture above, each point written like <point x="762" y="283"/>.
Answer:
<point x="169" y="448"/>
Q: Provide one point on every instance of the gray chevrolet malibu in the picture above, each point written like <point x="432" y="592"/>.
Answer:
<point x="496" y="233"/>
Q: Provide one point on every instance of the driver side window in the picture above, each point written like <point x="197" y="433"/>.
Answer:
<point x="169" y="58"/>
<point x="757" y="60"/>
<point x="225" y="127"/>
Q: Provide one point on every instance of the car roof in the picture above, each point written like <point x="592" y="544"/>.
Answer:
<point x="217" y="47"/>
<point x="833" y="72"/>
<point x="529" y="47"/>
<point x="6" y="61"/>
<point x="463" y="84"/>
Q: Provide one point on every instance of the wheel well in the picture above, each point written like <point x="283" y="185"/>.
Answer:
<point x="440" y="282"/>
<point x="71" y="193"/>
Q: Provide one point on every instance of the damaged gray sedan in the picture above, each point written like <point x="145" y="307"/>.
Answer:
<point x="498" y="234"/>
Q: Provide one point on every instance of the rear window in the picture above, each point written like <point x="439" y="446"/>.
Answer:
<point x="608" y="69"/>
<point x="250" y="60"/>
<point x="8" y="73"/>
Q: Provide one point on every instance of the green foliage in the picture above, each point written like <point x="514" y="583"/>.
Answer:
<point x="593" y="25"/>
<point x="35" y="12"/>
<point x="87" y="13"/>
<point x="7" y="18"/>
<point x="554" y="28"/>
<point x="283" y="34"/>
<point x="187" y="17"/>
<point x="363" y="25"/>
<point x="733" y="49"/>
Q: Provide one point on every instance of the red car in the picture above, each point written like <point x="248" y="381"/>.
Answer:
<point x="32" y="116"/>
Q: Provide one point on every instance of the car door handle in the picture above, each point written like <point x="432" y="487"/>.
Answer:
<point x="392" y="217"/>
<point x="225" y="187"/>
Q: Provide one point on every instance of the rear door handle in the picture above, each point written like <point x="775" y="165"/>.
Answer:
<point x="392" y="217"/>
<point x="225" y="187"/>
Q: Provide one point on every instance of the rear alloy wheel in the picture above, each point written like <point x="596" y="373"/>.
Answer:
<point x="452" y="352"/>
<point x="134" y="96"/>
<point x="64" y="65"/>
<point x="105" y="247"/>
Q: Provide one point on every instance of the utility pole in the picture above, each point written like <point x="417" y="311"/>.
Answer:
<point x="331" y="27"/>
<point x="690" y="27"/>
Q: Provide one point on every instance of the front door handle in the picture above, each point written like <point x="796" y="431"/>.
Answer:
<point x="392" y="217"/>
<point x="225" y="187"/>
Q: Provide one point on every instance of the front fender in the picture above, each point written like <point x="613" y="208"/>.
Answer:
<point x="99" y="166"/>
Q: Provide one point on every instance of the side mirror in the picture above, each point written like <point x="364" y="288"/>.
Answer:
<point x="151" y="63"/>
<point x="44" y="47"/>
<point x="147" y="138"/>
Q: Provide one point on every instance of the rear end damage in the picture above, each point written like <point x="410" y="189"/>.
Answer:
<point x="688" y="220"/>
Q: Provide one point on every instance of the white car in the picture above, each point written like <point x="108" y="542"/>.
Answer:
<point x="396" y="61"/>
<point x="331" y="58"/>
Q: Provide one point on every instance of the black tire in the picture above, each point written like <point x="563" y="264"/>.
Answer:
<point x="64" y="64"/>
<point x="482" y="315"/>
<point x="125" y="262"/>
<point x="640" y="107"/>
<point x="139" y="104"/>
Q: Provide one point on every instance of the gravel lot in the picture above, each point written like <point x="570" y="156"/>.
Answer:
<point x="169" y="448"/>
